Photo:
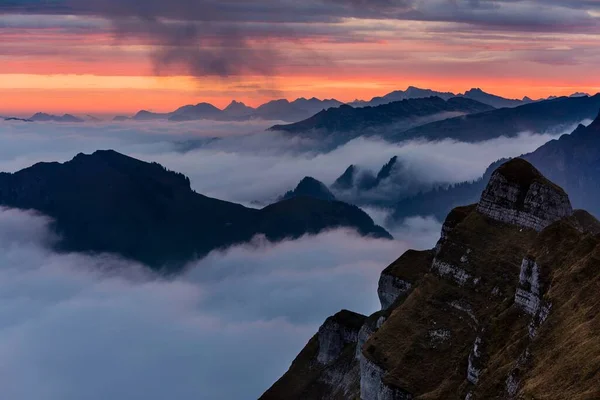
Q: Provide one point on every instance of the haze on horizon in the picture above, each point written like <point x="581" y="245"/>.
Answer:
<point x="119" y="56"/>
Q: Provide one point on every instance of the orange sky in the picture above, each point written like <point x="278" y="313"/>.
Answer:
<point x="53" y="71"/>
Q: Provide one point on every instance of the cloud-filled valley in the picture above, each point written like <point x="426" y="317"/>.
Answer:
<point x="246" y="164"/>
<point x="97" y="326"/>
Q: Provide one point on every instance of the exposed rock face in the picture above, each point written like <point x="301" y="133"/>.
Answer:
<point x="337" y="332"/>
<point x="371" y="325"/>
<point x="474" y="370"/>
<point x="327" y="368"/>
<point x="488" y="314"/>
<point x="398" y="279"/>
<point x="518" y="194"/>
<point x="390" y="289"/>
<point x="528" y="293"/>
<point x="372" y="386"/>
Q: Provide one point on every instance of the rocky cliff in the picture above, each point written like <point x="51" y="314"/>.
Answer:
<point x="504" y="307"/>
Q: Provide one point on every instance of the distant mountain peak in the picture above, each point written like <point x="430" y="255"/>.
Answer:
<point x="44" y="117"/>
<point x="346" y="180"/>
<point x="310" y="187"/>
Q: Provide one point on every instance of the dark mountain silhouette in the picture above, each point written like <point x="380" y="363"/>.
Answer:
<point x="386" y="170"/>
<point x="314" y="105"/>
<point x="121" y="118"/>
<point x="539" y="117"/>
<point x="296" y="110"/>
<point x="237" y="109"/>
<point x="355" y="121"/>
<point x="346" y="180"/>
<point x="493" y="100"/>
<point x="310" y="187"/>
<point x="16" y="119"/>
<point x="572" y="161"/>
<point x="278" y="110"/>
<point x="418" y="93"/>
<point x="504" y="307"/>
<point x="355" y="178"/>
<point x="144" y="115"/>
<point x="195" y="112"/>
<point x="410" y="93"/>
<point x="108" y="202"/>
<point x="43" y="117"/>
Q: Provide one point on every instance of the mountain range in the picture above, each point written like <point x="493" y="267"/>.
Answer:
<point x="293" y="111"/>
<point x="539" y="117"/>
<point x="431" y="119"/>
<point x="477" y="94"/>
<point x="303" y="108"/>
<point x="43" y="117"/>
<point x="504" y="307"/>
<point x="109" y="202"/>
<point x="281" y="110"/>
<point x="400" y="115"/>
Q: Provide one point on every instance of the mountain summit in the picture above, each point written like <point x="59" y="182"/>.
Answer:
<point x="503" y="307"/>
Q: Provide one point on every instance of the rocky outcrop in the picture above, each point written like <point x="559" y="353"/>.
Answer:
<point x="486" y="314"/>
<point x="397" y="280"/>
<point x="390" y="289"/>
<point x="528" y="293"/>
<point x="518" y="194"/>
<point x="371" y="325"/>
<point x="372" y="386"/>
<point x="337" y="332"/>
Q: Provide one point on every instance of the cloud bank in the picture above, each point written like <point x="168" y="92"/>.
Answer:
<point x="73" y="326"/>
<point x="242" y="162"/>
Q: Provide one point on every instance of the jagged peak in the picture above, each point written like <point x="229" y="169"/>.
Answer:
<point x="519" y="194"/>
<point x="310" y="187"/>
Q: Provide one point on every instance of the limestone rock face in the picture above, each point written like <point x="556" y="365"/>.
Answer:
<point x="518" y="194"/>
<point x="337" y="332"/>
<point x="397" y="280"/>
<point x="370" y="326"/>
<point x="390" y="289"/>
<point x="528" y="293"/>
<point x="372" y="386"/>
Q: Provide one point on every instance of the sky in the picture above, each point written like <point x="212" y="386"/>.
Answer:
<point x="120" y="56"/>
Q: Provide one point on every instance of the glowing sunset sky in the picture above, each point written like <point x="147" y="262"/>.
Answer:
<point x="119" y="56"/>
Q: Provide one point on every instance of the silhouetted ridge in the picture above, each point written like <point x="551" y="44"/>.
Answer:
<point x="346" y="180"/>
<point x="312" y="188"/>
<point x="109" y="202"/>
<point x="347" y="119"/>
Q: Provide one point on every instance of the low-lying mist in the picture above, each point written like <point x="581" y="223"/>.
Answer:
<point x="92" y="327"/>
<point x="76" y="326"/>
<point x="242" y="162"/>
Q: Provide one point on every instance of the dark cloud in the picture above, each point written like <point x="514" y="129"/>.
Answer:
<point x="235" y="37"/>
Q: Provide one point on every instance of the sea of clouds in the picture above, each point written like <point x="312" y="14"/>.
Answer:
<point x="77" y="326"/>
<point x="244" y="163"/>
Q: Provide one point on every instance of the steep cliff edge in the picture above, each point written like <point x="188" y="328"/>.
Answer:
<point x="504" y="307"/>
